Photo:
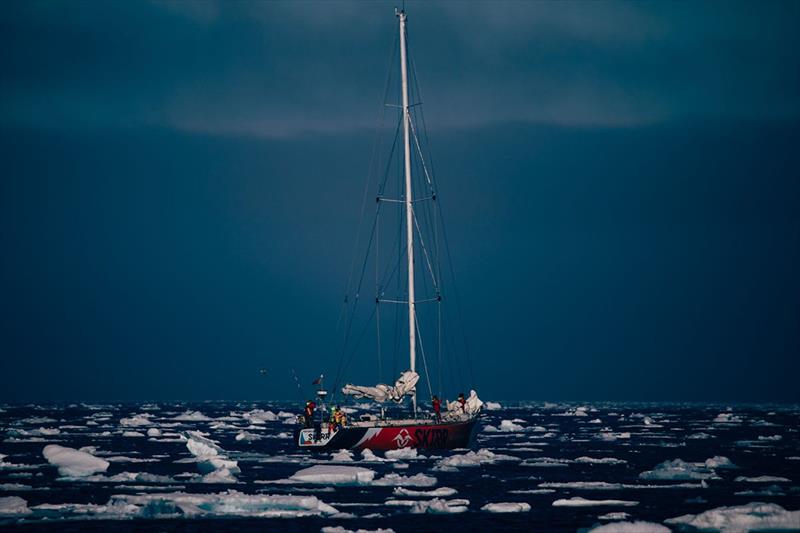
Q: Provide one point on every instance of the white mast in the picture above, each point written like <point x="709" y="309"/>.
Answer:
<point x="412" y="329"/>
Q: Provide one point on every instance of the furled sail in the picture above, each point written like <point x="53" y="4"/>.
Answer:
<point x="382" y="392"/>
<point x="472" y="405"/>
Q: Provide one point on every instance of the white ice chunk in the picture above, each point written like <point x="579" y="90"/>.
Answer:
<point x="72" y="462"/>
<point x="136" y="421"/>
<point x="630" y="527"/>
<point x="404" y="454"/>
<point x="719" y="461"/>
<point x="211" y="460"/>
<point x="340" y="529"/>
<point x="132" y="434"/>
<point x="577" y="501"/>
<point x="492" y="406"/>
<point x="396" y="480"/>
<point x="13" y="506"/>
<point x="342" y="456"/>
<point x="442" y="492"/>
<point x="192" y="416"/>
<point x="506" y="507"/>
<point x="763" y="479"/>
<point x="259" y="416"/>
<point x="247" y="436"/>
<point x="335" y="475"/>
<point x="153" y="432"/>
<point x="679" y="469"/>
<point x="601" y="461"/>
<point x="439" y="506"/>
<point x="482" y="456"/>
<point x="741" y="518"/>
<point x="510" y="426"/>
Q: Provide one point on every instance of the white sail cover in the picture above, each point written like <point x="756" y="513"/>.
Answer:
<point x="472" y="405"/>
<point x="382" y="392"/>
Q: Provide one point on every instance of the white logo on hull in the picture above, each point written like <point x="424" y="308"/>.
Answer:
<point x="403" y="438"/>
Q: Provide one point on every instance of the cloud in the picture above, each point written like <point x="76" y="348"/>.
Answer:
<point x="288" y="69"/>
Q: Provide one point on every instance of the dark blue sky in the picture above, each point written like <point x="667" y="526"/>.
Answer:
<point x="181" y="189"/>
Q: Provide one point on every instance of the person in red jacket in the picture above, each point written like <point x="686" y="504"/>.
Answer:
<point x="437" y="408"/>
<point x="462" y="401"/>
<point x="308" y="414"/>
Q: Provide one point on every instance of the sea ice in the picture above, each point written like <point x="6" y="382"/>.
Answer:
<point x="396" y="480"/>
<point x="506" y="507"/>
<point x="211" y="460"/>
<point x="741" y="518"/>
<point x="403" y="454"/>
<point x="340" y="529"/>
<point x="630" y="527"/>
<point x="439" y="506"/>
<point x="619" y="515"/>
<point x="335" y="475"/>
<point x="247" y="436"/>
<point x="719" y="461"/>
<point x="342" y="456"/>
<point x="440" y="492"/>
<point x="192" y="416"/>
<point x="577" y="501"/>
<point x="727" y="418"/>
<point x="492" y="406"/>
<point x="13" y="506"/>
<point x="482" y="456"/>
<point x="259" y="416"/>
<point x="72" y="462"/>
<point x="136" y="421"/>
<point x="132" y="434"/>
<point x="601" y="461"/>
<point x="763" y="479"/>
<point x="678" y="469"/>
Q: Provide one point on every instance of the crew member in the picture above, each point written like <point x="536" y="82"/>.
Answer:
<point x="437" y="408"/>
<point x="339" y="417"/>
<point x="308" y="414"/>
<point x="462" y="402"/>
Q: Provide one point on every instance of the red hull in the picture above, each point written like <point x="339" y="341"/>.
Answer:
<point x="443" y="436"/>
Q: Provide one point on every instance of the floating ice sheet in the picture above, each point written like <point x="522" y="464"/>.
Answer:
<point x="741" y="518"/>
<point x="72" y="462"/>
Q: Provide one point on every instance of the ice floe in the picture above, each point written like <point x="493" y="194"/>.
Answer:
<point x="630" y="527"/>
<point x="678" y="469"/>
<point x="396" y="480"/>
<point x="506" y="507"/>
<point x="192" y="416"/>
<point x="340" y="529"/>
<point x="72" y="462"/>
<point x="334" y="475"/>
<point x="441" y="492"/>
<point x="136" y="420"/>
<point x="577" y="501"/>
<point x="741" y="518"/>
<point x="469" y="459"/>
<point x="211" y="460"/>
<point x="727" y="418"/>
<point x="492" y="406"/>
<point x="601" y="461"/>
<point x="247" y="436"/>
<point x="13" y="506"/>
<point x="434" y="506"/>
<point x="763" y="479"/>
<point x="259" y="416"/>
<point x="403" y="454"/>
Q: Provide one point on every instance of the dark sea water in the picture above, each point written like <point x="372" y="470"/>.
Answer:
<point x="543" y="455"/>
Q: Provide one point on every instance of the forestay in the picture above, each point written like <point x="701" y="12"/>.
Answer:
<point x="381" y="392"/>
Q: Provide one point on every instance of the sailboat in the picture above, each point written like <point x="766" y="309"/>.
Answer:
<point x="453" y="428"/>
